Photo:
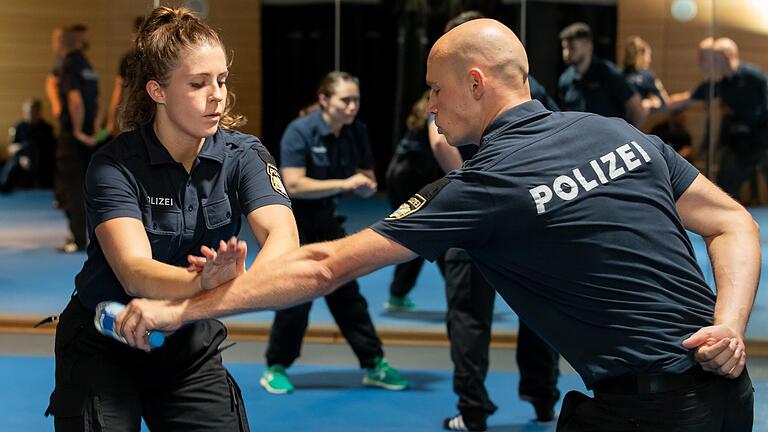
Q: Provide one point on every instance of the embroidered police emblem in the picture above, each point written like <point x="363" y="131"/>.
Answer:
<point x="411" y="206"/>
<point x="417" y="202"/>
<point x="275" y="181"/>
<point x="272" y="172"/>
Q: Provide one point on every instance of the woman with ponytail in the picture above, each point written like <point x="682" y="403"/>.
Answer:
<point x="174" y="184"/>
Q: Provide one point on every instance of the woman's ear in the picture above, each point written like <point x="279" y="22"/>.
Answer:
<point x="323" y="101"/>
<point x="155" y="91"/>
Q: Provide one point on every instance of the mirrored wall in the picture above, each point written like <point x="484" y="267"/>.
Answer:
<point x="385" y="43"/>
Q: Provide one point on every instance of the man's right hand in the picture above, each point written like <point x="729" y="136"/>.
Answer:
<point x="718" y="349"/>
<point x="141" y="316"/>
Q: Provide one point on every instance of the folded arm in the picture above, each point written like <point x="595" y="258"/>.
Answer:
<point x="129" y="254"/>
<point x="733" y="244"/>
<point x="299" y="185"/>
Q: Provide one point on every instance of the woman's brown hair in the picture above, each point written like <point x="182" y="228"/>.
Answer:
<point x="635" y="48"/>
<point x="328" y="84"/>
<point x="417" y="119"/>
<point x="163" y="38"/>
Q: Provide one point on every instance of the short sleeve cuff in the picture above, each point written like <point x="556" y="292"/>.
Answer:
<point x="254" y="204"/>
<point x="421" y="249"/>
<point x="101" y="217"/>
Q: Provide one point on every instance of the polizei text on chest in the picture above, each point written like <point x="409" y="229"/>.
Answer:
<point x="601" y="171"/>
<point x="160" y="201"/>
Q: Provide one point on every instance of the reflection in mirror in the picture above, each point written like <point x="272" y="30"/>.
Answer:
<point x="709" y="55"/>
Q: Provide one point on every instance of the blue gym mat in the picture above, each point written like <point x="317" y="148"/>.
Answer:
<point x="36" y="279"/>
<point x="327" y="399"/>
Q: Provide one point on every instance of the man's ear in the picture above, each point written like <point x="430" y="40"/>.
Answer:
<point x="155" y="91"/>
<point x="477" y="81"/>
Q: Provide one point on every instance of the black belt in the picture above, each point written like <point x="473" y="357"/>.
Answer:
<point x="653" y="382"/>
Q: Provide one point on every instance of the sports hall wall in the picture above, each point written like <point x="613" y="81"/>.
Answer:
<point x="26" y="57"/>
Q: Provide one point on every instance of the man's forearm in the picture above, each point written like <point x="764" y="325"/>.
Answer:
<point x="294" y="278"/>
<point x="735" y="257"/>
<point x="312" y="271"/>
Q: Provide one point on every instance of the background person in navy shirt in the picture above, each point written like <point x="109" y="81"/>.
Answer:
<point x="579" y="222"/>
<point x="78" y="94"/>
<point x="323" y="154"/>
<point x="591" y="84"/>
<point x="177" y="183"/>
<point x="742" y="91"/>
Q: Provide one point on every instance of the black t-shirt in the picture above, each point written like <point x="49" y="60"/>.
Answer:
<point x="134" y="176"/>
<point x="745" y="93"/>
<point x="539" y="92"/>
<point x="415" y="142"/>
<point x="602" y="90"/>
<point x="571" y="217"/>
<point x="78" y="74"/>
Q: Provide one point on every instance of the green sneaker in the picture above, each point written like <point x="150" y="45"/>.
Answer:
<point x="399" y="304"/>
<point x="275" y="380"/>
<point x="385" y="376"/>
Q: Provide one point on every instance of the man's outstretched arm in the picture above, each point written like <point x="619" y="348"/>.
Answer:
<point x="307" y="273"/>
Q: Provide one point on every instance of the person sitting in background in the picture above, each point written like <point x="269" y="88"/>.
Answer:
<point x="31" y="151"/>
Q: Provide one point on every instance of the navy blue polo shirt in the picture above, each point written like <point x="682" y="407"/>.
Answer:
<point x="644" y="82"/>
<point x="135" y="176"/>
<point x="415" y="142"/>
<point x="539" y="92"/>
<point x="601" y="90"/>
<point x="745" y="93"/>
<point x="308" y="143"/>
<point x="78" y="74"/>
<point x="571" y="217"/>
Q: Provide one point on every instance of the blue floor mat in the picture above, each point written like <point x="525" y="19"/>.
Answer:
<point x="35" y="279"/>
<point x="327" y="399"/>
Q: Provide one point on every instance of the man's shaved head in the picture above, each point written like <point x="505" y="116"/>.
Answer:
<point x="727" y="46"/>
<point x="486" y="44"/>
<point x="476" y="71"/>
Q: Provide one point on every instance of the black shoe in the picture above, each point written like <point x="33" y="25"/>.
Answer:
<point x="545" y="411"/>
<point x="456" y="423"/>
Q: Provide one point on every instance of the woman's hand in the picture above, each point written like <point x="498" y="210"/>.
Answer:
<point x="218" y="267"/>
<point x="361" y="185"/>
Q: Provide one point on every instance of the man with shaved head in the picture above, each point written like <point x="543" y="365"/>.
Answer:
<point x="579" y="222"/>
<point x="469" y="315"/>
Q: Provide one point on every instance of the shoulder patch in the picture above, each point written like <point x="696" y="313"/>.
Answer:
<point x="272" y="172"/>
<point x="418" y="201"/>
